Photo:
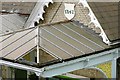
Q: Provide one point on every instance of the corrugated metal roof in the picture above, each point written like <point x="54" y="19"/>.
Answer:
<point x="67" y="40"/>
<point x="62" y="40"/>
<point x="17" y="44"/>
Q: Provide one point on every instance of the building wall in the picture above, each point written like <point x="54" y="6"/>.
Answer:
<point x="106" y="68"/>
<point x="55" y="13"/>
<point x="91" y="73"/>
<point x="94" y="73"/>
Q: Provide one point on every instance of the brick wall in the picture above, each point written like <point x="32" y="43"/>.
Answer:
<point x="55" y="13"/>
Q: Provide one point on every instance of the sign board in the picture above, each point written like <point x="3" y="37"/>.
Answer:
<point x="69" y="11"/>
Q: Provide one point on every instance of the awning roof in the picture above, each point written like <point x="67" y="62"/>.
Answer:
<point x="67" y="40"/>
<point x="11" y="23"/>
<point x="17" y="44"/>
<point x="62" y="40"/>
<point x="107" y="15"/>
<point x="14" y="15"/>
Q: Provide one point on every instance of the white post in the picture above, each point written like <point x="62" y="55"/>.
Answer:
<point x="114" y="70"/>
<point x="38" y="55"/>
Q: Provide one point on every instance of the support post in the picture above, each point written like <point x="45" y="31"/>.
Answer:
<point x="114" y="64"/>
<point x="114" y="70"/>
<point x="38" y="55"/>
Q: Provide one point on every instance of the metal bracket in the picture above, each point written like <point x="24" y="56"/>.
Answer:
<point x="116" y="54"/>
<point x="37" y="73"/>
<point x="86" y="62"/>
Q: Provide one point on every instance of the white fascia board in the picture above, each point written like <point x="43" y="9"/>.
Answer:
<point x="37" y="12"/>
<point x="21" y="66"/>
<point x="68" y="66"/>
<point x="95" y="21"/>
<point x="85" y="62"/>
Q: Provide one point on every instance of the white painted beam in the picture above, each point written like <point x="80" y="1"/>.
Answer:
<point x="114" y="68"/>
<point x="80" y="63"/>
<point x="75" y="76"/>
<point x="114" y="64"/>
<point x="21" y="66"/>
<point x="38" y="42"/>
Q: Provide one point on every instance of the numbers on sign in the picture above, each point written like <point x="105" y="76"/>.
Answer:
<point x="69" y="11"/>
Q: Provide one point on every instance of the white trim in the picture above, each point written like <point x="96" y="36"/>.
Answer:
<point x="37" y="13"/>
<point x="84" y="62"/>
<point x="95" y="21"/>
<point x="114" y="68"/>
<point x="38" y="48"/>
<point x="21" y="66"/>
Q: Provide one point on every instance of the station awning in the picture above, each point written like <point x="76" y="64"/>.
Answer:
<point x="61" y="40"/>
<point x="70" y="42"/>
